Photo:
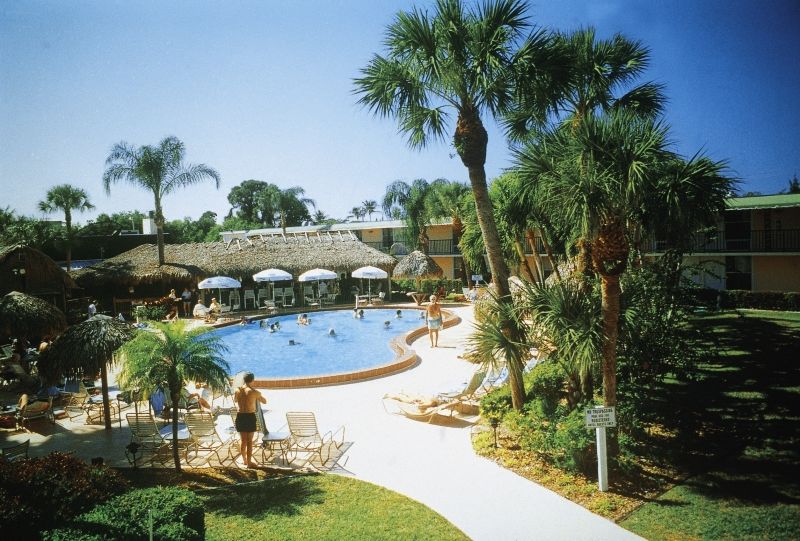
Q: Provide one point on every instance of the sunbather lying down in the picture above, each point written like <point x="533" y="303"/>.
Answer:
<point x="421" y="402"/>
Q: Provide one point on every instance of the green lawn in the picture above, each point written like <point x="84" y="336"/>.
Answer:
<point x="738" y="433"/>
<point x="319" y="507"/>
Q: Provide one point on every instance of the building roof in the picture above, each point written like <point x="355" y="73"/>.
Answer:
<point x="764" y="201"/>
<point x="47" y="272"/>
<point x="241" y="257"/>
<point x="343" y="227"/>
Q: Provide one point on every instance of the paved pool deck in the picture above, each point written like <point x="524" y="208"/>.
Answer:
<point x="431" y="463"/>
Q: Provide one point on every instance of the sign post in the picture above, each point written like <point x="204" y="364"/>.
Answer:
<point x="599" y="419"/>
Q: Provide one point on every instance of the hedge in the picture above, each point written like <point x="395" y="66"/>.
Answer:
<point x="428" y="286"/>
<point x="177" y="514"/>
<point x="737" y="298"/>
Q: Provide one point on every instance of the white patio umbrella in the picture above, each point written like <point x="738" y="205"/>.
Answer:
<point x="219" y="282"/>
<point x="370" y="273"/>
<point x="272" y="275"/>
<point x="315" y="275"/>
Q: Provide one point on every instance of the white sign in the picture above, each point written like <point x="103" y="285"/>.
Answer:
<point x="600" y="417"/>
<point x="477" y="277"/>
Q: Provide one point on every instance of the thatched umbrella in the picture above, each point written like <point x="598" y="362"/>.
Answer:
<point x="24" y="315"/>
<point x="417" y="265"/>
<point x="86" y="348"/>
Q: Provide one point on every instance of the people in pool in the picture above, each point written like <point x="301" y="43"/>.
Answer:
<point x="398" y="314"/>
<point x="263" y="323"/>
<point x="361" y="314"/>
<point x="331" y="332"/>
<point x="387" y="323"/>
<point x="303" y="319"/>
<point x="355" y="313"/>
<point x="273" y="327"/>
<point x="293" y="343"/>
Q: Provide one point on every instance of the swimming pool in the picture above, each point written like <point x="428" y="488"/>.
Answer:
<point x="359" y="345"/>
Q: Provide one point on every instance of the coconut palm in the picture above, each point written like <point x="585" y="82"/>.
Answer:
<point x="66" y="198"/>
<point x="159" y="169"/>
<point x="319" y="217"/>
<point x="369" y="206"/>
<point x="290" y="206"/>
<point x="357" y="213"/>
<point x="171" y="356"/>
<point x="602" y="176"/>
<point x="415" y="200"/>
<point x="465" y="60"/>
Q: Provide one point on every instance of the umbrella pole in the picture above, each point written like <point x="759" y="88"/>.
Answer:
<point x="104" y="387"/>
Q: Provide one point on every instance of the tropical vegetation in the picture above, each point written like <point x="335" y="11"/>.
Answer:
<point x="66" y="198"/>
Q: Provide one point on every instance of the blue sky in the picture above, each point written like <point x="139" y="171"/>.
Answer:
<point x="263" y="90"/>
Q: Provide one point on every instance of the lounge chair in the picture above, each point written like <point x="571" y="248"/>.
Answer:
<point x="472" y="391"/>
<point x="250" y="295"/>
<point x="34" y="410"/>
<point x="304" y="437"/>
<point x="204" y="438"/>
<point x="145" y="433"/>
<point x="16" y="452"/>
<point x="418" y="407"/>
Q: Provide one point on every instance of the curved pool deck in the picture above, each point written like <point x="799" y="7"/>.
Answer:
<point x="405" y="357"/>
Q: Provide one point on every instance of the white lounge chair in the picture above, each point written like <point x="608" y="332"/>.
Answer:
<point x="304" y="437"/>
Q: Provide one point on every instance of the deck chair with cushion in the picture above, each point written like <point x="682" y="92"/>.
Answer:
<point x="305" y="438"/>
<point x="16" y="452"/>
<point x="29" y="411"/>
<point x="473" y="390"/>
<point x="205" y="439"/>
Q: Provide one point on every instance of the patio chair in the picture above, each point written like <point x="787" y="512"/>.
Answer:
<point x="250" y="295"/>
<point x="269" y="306"/>
<point x="261" y="296"/>
<point x="203" y="437"/>
<point x="16" y="452"/>
<point x="304" y="437"/>
<point x="234" y="299"/>
<point x="145" y="433"/>
<point x="473" y="390"/>
<point x="35" y="410"/>
<point x="288" y="299"/>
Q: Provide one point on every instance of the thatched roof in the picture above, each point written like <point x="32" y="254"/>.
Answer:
<point x="24" y="315"/>
<point x="43" y="272"/>
<point x="240" y="258"/>
<point x="417" y="265"/>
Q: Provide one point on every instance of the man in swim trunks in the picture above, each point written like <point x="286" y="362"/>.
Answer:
<point x="433" y="316"/>
<point x="247" y="399"/>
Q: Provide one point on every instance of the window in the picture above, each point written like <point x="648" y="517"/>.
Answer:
<point x="738" y="272"/>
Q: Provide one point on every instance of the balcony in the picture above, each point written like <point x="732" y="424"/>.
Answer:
<point x="783" y="240"/>
<point x="435" y="247"/>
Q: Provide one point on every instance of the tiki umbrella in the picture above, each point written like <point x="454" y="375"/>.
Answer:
<point x="86" y="348"/>
<point x="25" y="316"/>
<point x="417" y="265"/>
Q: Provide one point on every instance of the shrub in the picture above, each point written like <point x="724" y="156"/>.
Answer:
<point x="39" y="493"/>
<point x="177" y="516"/>
<point x="737" y="298"/>
<point x="428" y="286"/>
<point x="153" y="313"/>
<point x="496" y="404"/>
<point x="546" y="386"/>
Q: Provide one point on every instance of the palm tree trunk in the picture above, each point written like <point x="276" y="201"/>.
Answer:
<point x="523" y="260"/>
<point x="68" y="247"/>
<point x="610" y="313"/>
<point x="159" y="231"/>
<point x="104" y="387"/>
<point x="491" y="238"/>
<point x="537" y="258"/>
<point x="550" y="257"/>
<point x="176" y="396"/>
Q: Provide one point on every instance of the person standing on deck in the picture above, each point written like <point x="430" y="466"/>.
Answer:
<point x="433" y="316"/>
<point x="247" y="399"/>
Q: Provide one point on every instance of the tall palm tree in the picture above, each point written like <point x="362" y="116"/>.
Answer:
<point x="415" y="201"/>
<point x="603" y="177"/>
<point x="159" y="169"/>
<point x="357" y="213"/>
<point x="319" y="217"/>
<point x="67" y="198"/>
<point x="369" y="207"/>
<point x="172" y="356"/>
<point x="462" y="60"/>
<point x="288" y="201"/>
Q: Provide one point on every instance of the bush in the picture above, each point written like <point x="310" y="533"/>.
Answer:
<point x="153" y="313"/>
<point x="177" y="516"/>
<point x="737" y="298"/>
<point x="428" y="286"/>
<point x="496" y="404"/>
<point x="546" y="386"/>
<point x="39" y="493"/>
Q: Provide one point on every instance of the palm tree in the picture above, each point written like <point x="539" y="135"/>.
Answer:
<point x="465" y="60"/>
<point x="288" y="203"/>
<point x="66" y="198"/>
<point x="319" y="217"/>
<point x="159" y="169"/>
<point x="369" y="207"/>
<point x="448" y="201"/>
<point x="603" y="177"/>
<point x="415" y="201"/>
<point x="357" y="213"/>
<point x="171" y="356"/>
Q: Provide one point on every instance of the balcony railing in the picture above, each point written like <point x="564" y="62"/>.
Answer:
<point x="435" y="247"/>
<point x="783" y="240"/>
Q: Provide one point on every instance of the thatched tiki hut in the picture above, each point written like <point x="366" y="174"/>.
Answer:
<point x="32" y="272"/>
<point x="136" y="273"/>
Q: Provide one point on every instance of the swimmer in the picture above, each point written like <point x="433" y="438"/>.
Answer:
<point x="243" y="321"/>
<point x="361" y="313"/>
<point x="303" y="320"/>
<point x="331" y="332"/>
<point x="387" y="323"/>
<point x="355" y="313"/>
<point x="398" y="314"/>
<point x="273" y="328"/>
<point x="262" y="323"/>
<point x="293" y="343"/>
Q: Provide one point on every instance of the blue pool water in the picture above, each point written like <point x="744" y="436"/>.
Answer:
<point x="359" y="344"/>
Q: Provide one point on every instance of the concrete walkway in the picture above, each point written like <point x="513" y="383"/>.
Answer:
<point x="431" y="463"/>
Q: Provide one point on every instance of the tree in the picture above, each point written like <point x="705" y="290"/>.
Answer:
<point x="66" y="198"/>
<point x="159" y="169"/>
<point x="611" y="175"/>
<point x="169" y="357"/>
<point x="467" y="60"/>
<point x="369" y="207"/>
<point x="254" y="200"/>
<point x="357" y="213"/>
<point x="448" y="201"/>
<point x="794" y="185"/>
<point x="416" y="204"/>
<point x="290" y="207"/>
<point x="319" y="217"/>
